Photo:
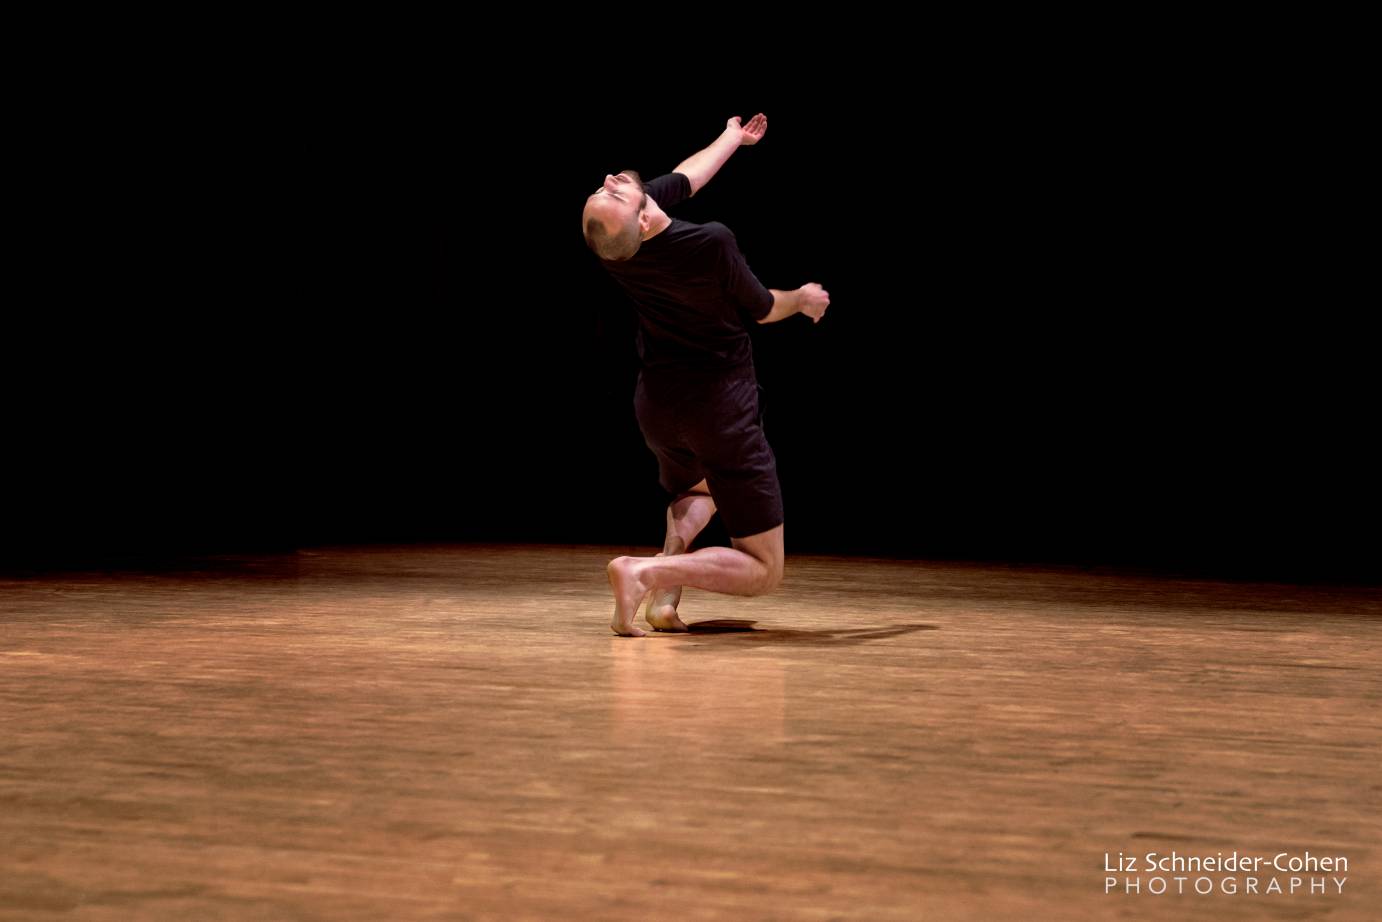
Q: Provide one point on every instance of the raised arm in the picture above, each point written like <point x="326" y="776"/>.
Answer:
<point x="704" y="164"/>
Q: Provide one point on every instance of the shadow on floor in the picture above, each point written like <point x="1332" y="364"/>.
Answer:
<point x="840" y="637"/>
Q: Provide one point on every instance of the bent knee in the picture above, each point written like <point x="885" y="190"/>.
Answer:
<point x="772" y="577"/>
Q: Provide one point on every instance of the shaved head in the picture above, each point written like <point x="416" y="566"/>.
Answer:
<point x="611" y="216"/>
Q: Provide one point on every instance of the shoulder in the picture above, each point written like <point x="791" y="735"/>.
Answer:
<point x="718" y="231"/>
<point x="669" y="188"/>
<point x="722" y="237"/>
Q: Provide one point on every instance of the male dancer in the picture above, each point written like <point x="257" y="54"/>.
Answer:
<point x="697" y="395"/>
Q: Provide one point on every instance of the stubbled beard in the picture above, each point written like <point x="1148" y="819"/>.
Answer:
<point x="638" y="180"/>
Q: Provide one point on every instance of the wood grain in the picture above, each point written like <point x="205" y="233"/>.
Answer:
<point x="452" y="733"/>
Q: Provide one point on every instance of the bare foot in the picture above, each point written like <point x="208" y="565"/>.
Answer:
<point x="662" y="606"/>
<point x="662" y="613"/>
<point x="628" y="593"/>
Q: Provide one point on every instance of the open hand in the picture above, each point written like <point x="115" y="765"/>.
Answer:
<point x="751" y="133"/>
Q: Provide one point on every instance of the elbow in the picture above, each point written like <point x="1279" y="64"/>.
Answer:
<point x="774" y="309"/>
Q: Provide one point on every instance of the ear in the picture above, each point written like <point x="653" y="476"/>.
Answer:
<point x="645" y="221"/>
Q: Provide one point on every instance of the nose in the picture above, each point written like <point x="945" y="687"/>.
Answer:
<point x="610" y="181"/>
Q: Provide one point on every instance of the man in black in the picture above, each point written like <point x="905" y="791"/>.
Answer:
<point x="697" y="397"/>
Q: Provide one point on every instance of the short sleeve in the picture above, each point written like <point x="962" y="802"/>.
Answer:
<point x="669" y="189"/>
<point x="741" y="286"/>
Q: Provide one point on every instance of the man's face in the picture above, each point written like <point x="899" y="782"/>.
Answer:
<point x="618" y="199"/>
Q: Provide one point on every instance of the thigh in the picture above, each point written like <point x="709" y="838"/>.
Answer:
<point x="739" y="465"/>
<point x="765" y="547"/>
<point x="678" y="469"/>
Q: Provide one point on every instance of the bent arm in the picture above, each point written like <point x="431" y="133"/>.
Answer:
<point x="810" y="299"/>
<point x="785" y="304"/>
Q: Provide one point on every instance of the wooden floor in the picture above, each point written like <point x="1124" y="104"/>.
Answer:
<point x="453" y="733"/>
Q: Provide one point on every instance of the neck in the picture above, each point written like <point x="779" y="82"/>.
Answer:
<point x="658" y="220"/>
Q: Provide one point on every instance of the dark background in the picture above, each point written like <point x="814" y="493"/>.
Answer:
<point x="1078" y="315"/>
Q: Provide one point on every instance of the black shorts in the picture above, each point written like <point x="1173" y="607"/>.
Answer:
<point x="708" y="427"/>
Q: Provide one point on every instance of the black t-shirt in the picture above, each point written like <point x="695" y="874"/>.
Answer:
<point x="693" y="291"/>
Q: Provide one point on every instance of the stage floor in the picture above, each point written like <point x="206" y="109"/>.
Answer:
<point x="452" y="732"/>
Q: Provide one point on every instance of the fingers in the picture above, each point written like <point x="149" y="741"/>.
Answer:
<point x="755" y="127"/>
<point x="822" y="303"/>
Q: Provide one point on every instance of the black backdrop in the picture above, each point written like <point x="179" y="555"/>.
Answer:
<point x="1072" y="319"/>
